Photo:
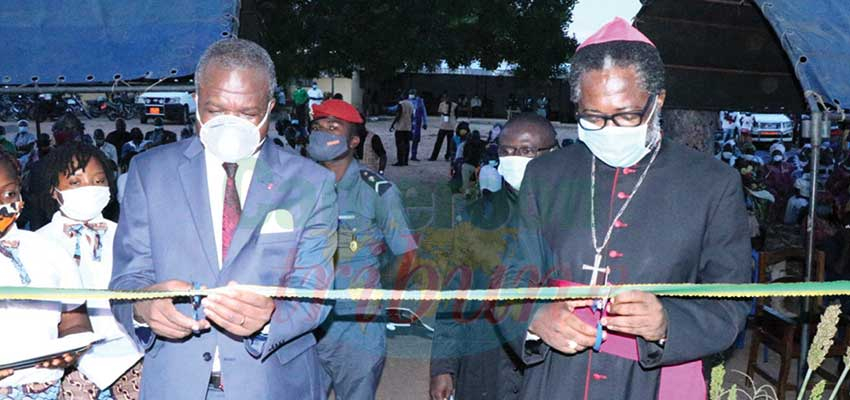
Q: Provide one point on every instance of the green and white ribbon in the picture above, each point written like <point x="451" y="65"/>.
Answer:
<point x="721" y="290"/>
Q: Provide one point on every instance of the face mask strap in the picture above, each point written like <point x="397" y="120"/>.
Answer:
<point x="653" y="141"/>
<point x="266" y="116"/>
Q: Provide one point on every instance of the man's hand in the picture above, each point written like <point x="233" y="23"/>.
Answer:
<point x="637" y="313"/>
<point x="6" y="372"/>
<point x="562" y="330"/>
<point x="441" y="387"/>
<point x="238" y="311"/>
<point x="163" y="318"/>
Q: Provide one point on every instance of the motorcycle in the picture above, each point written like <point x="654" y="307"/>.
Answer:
<point x="75" y="105"/>
<point x="16" y="107"/>
<point x="121" y="106"/>
<point x="48" y="106"/>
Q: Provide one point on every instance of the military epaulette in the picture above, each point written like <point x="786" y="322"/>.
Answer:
<point x="377" y="182"/>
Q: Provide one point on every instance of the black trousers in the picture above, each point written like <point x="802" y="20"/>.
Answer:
<point x="441" y="135"/>
<point x="301" y="114"/>
<point x="402" y="146"/>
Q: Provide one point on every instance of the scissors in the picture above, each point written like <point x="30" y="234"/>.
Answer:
<point x="196" y="305"/>
<point x="601" y="305"/>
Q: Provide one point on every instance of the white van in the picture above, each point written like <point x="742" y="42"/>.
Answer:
<point x="772" y="127"/>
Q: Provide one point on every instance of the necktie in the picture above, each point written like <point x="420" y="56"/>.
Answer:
<point x="232" y="209"/>
<point x="77" y="231"/>
<point x="9" y="249"/>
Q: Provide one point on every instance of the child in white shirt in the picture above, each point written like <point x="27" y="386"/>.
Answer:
<point x="27" y="259"/>
<point x="79" y="182"/>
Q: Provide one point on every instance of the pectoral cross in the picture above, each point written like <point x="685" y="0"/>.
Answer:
<point x="596" y="269"/>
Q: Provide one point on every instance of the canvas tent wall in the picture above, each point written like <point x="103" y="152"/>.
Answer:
<point x="50" y="42"/>
<point x="759" y="55"/>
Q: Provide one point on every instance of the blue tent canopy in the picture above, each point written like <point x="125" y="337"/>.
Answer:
<point x="96" y="41"/>
<point x="816" y="37"/>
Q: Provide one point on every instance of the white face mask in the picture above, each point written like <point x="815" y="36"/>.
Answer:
<point x="726" y="155"/>
<point x="85" y="203"/>
<point x="618" y="146"/>
<point x="231" y="138"/>
<point x="512" y="168"/>
<point x="778" y="158"/>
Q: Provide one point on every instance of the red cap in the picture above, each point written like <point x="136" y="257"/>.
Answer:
<point x="616" y="30"/>
<point x="338" y="109"/>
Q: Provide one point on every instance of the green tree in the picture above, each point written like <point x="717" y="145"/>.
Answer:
<point x="338" y="36"/>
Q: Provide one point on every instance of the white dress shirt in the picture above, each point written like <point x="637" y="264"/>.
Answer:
<point x="217" y="182"/>
<point x="34" y="322"/>
<point x="104" y="362"/>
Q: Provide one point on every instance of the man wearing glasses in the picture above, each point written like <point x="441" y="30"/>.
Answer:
<point x="626" y="207"/>
<point x="467" y="355"/>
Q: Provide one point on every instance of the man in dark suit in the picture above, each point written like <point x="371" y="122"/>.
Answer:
<point x="627" y="206"/>
<point x="239" y="211"/>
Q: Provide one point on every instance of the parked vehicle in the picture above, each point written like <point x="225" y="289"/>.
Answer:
<point x="120" y="105"/>
<point x="15" y="107"/>
<point x="173" y="106"/>
<point x="772" y="127"/>
<point x="76" y="106"/>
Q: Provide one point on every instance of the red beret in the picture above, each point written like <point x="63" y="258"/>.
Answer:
<point x="338" y="109"/>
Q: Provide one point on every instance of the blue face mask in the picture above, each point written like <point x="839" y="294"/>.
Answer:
<point x="324" y="146"/>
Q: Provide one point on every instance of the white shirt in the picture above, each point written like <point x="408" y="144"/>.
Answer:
<point x="109" y="150"/>
<point x="217" y="182"/>
<point x="316" y="96"/>
<point x="33" y="322"/>
<point x="104" y="362"/>
<point x="24" y="138"/>
<point x="136" y="148"/>
<point x="747" y="122"/>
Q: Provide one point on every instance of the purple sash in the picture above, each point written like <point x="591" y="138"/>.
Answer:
<point x="678" y="382"/>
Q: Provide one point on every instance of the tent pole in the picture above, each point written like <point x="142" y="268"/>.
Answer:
<point x="820" y="123"/>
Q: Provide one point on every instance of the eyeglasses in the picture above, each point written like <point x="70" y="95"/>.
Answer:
<point x="524" y="151"/>
<point x="595" y="122"/>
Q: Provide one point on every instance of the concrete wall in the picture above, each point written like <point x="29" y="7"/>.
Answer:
<point x="692" y="128"/>
<point x="348" y="87"/>
<point x="493" y="90"/>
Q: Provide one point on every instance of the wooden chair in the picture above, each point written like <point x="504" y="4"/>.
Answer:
<point x="781" y="333"/>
